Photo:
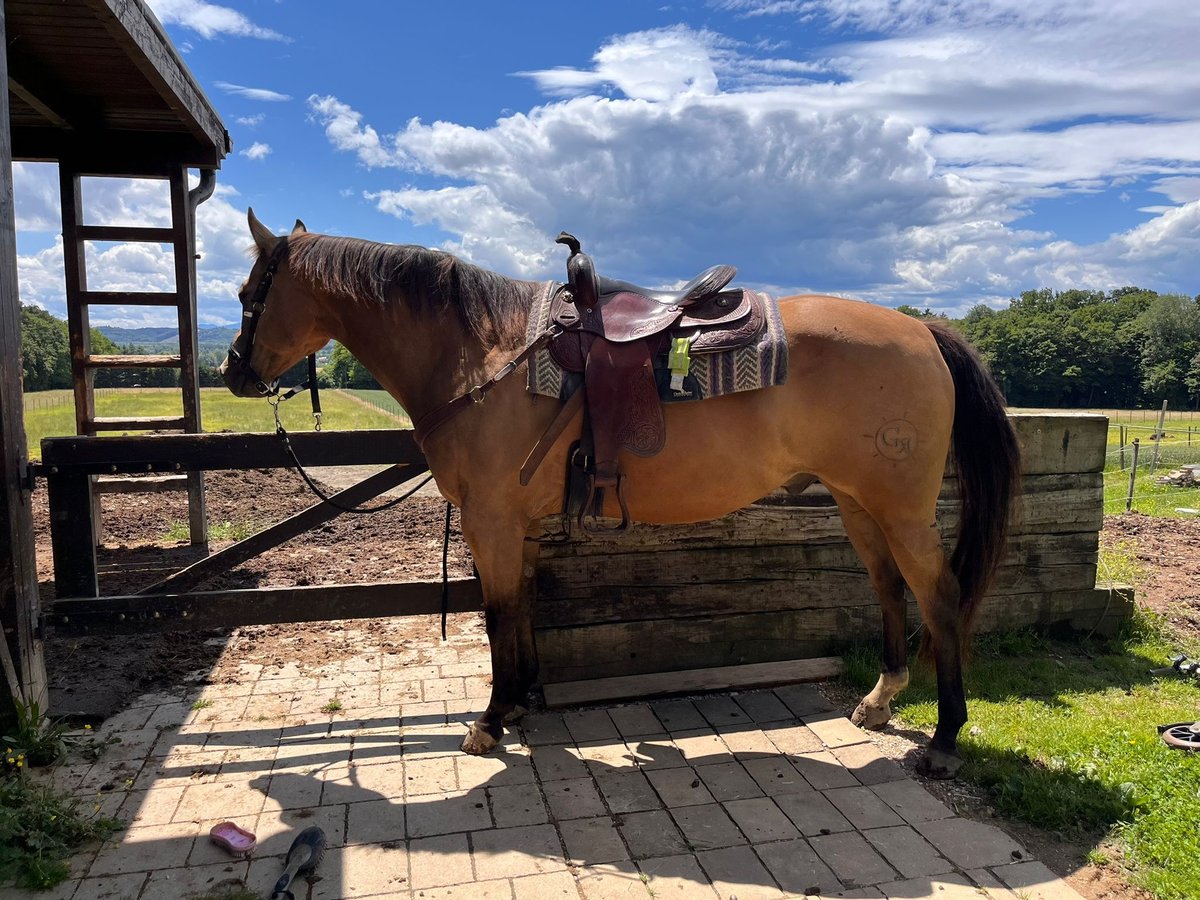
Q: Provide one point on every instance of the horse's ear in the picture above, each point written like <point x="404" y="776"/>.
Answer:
<point x="263" y="239"/>
<point x="299" y="228"/>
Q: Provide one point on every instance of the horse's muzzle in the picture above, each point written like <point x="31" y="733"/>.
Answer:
<point x="238" y="380"/>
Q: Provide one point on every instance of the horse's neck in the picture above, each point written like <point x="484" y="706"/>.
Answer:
<point x="421" y="361"/>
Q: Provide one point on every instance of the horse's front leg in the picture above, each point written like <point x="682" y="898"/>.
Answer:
<point x="499" y="552"/>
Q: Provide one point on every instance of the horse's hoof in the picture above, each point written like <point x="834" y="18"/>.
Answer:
<point x="478" y="742"/>
<point x="939" y="764"/>
<point x="871" y="717"/>
<point x="517" y="714"/>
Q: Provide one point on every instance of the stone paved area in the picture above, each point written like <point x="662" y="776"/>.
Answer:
<point x="762" y="794"/>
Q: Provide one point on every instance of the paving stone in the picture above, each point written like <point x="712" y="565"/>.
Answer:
<point x="776" y="776"/>
<point x="803" y="699"/>
<point x="852" y="859"/>
<point x="737" y="872"/>
<point x="591" y="841"/>
<point x="996" y="890"/>
<point x="544" y="728"/>
<point x="650" y="834"/>
<point x="511" y="852"/>
<point x="797" y="868"/>
<point x="909" y="853"/>
<point x="497" y="889"/>
<point x="416" y="715"/>
<point x="201" y="801"/>
<point x="276" y="829"/>
<point x="555" y="762"/>
<point x="550" y="886"/>
<point x="436" y="775"/>
<point x="612" y="881"/>
<point x="968" y="844"/>
<point x="145" y="848"/>
<point x="868" y="765"/>
<point x="863" y="807"/>
<point x="677" y="877"/>
<point x="823" y="771"/>
<point x="866" y="893"/>
<point x="287" y="790"/>
<point x="761" y="820"/>
<point x="721" y="711"/>
<point x="748" y="742"/>
<point x="374" y="870"/>
<point x="603" y="757"/>
<point x="678" y="715"/>
<point x="656" y="753"/>
<point x="911" y="801"/>
<point x="204" y="851"/>
<point x="707" y="827"/>
<point x="517" y="804"/>
<point x="109" y="887"/>
<point x="1033" y="880"/>
<point x="943" y="887"/>
<point x="763" y="706"/>
<point x="171" y="884"/>
<point x="443" y="689"/>
<point x="152" y="807"/>
<point x="591" y="725"/>
<point x="835" y="730"/>
<point x="729" y="781"/>
<point x="375" y="822"/>
<point x="434" y="814"/>
<point x="636" y="719"/>
<point x="432" y="740"/>
<point x="438" y="861"/>
<point x="679" y="787"/>
<point x="499" y="767"/>
<point x="813" y="814"/>
<point x="573" y="798"/>
<point x="628" y="792"/>
<point x="380" y="779"/>
<point x="701" y="746"/>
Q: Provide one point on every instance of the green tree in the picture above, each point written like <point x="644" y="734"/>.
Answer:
<point x="45" y="354"/>
<point x="1169" y="331"/>
<point x="344" y="371"/>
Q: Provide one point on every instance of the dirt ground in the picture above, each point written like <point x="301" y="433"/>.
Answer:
<point x="92" y="675"/>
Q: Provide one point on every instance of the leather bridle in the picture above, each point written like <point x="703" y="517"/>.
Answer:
<point x="241" y="348"/>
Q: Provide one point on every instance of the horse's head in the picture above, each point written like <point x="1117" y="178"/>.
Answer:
<point x="279" y="325"/>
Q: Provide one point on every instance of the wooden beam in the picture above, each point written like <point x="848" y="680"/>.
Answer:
<point x="131" y="154"/>
<point x="19" y="610"/>
<point x="130" y="298"/>
<point x="141" y="613"/>
<point x="271" y="537"/>
<point x="692" y="681"/>
<point x="145" y="233"/>
<point x="137" y="361"/>
<point x="210" y="452"/>
<point x="73" y="535"/>
<point x="43" y="109"/>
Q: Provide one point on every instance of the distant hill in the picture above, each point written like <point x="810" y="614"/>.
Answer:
<point x="163" y="340"/>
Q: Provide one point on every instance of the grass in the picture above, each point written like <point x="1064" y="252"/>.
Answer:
<point x="217" y="531"/>
<point x="1062" y="736"/>
<point x="219" y="411"/>
<point x="1150" y="497"/>
<point x="380" y="400"/>
<point x="334" y="705"/>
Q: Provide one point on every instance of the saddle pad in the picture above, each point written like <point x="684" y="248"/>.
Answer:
<point x="764" y="364"/>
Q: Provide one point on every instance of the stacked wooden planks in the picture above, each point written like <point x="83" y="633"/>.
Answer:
<point x="779" y="580"/>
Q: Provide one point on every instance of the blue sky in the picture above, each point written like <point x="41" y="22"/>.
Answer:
<point x="934" y="152"/>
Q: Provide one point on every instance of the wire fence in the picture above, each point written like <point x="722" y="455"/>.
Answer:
<point x="1153" y="472"/>
<point x="57" y="398"/>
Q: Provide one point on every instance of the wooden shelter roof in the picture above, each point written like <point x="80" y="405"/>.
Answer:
<point x="99" y="82"/>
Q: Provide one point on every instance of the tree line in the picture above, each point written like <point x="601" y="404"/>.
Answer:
<point x="1120" y="349"/>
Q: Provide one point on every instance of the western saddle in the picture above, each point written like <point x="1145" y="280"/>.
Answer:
<point x="613" y="332"/>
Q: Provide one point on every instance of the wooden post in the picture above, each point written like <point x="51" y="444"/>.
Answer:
<point x="19" y="608"/>
<point x="1132" y="475"/>
<point x="1122" y="442"/>
<point x="72" y="535"/>
<point x="1162" y="415"/>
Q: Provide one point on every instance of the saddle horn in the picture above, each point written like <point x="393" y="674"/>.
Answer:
<point x="581" y="273"/>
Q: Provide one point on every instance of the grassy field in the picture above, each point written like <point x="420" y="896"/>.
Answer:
<point x="51" y="413"/>
<point x="1062" y="735"/>
<point x="381" y="400"/>
<point x="1180" y="444"/>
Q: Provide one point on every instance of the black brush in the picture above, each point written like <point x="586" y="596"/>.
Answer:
<point x="302" y="859"/>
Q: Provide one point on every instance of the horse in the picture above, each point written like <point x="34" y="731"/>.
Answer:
<point x="872" y="405"/>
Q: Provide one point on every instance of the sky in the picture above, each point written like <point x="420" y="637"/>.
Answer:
<point x="938" y="153"/>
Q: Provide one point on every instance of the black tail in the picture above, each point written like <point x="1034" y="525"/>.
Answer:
<point x="988" y="460"/>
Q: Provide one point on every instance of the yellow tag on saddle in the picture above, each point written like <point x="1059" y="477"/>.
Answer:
<point x="679" y="360"/>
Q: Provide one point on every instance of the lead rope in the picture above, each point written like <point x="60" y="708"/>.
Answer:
<point x="446" y="571"/>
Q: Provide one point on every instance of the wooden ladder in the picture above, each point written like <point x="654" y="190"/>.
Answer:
<point x="181" y="235"/>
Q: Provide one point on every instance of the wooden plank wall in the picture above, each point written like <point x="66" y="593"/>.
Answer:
<point x="779" y="581"/>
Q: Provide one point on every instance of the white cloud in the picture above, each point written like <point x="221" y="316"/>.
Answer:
<point x="253" y="93"/>
<point x="256" y="151"/>
<point x="210" y="20"/>
<point x="251" y="121"/>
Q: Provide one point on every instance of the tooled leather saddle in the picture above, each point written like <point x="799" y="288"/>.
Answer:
<point x="612" y="334"/>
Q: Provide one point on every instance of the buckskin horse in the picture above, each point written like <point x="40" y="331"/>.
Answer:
<point x="872" y="402"/>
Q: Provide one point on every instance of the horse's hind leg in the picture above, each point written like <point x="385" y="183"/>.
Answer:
<point x="868" y="540"/>
<point x="917" y="548"/>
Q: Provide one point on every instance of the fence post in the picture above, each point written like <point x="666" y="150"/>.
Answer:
<point x="1121" y="432"/>
<point x="1158" y="436"/>
<point x="1132" y="475"/>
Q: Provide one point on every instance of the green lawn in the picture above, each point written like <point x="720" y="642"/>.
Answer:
<point x="380" y="399"/>
<point x="1062" y="735"/>
<point x="1180" y="444"/>
<point x="51" y="413"/>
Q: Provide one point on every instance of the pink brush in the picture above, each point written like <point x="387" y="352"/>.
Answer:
<point x="237" y="841"/>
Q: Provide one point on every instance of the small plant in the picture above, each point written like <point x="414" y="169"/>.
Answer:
<point x="39" y="829"/>
<point x="34" y="740"/>
<point x="332" y="706"/>
<point x="202" y="703"/>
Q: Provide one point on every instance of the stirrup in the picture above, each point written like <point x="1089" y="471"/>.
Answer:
<point x="593" y="491"/>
